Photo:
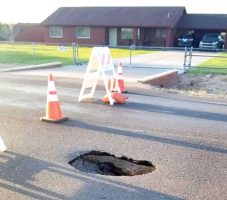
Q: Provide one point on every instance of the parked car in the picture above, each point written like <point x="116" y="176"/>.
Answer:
<point x="187" y="40"/>
<point x="212" y="41"/>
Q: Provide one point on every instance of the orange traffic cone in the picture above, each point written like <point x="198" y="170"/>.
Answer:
<point x="120" y="78"/>
<point x="105" y="99"/>
<point x="53" y="109"/>
<point x="112" y="84"/>
<point x="119" y="98"/>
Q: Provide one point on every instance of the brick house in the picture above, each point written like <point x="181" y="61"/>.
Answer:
<point x="114" y="26"/>
<point x="121" y="26"/>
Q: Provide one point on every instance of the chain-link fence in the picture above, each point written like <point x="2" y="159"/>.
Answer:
<point x="206" y="61"/>
<point x="34" y="53"/>
<point x="14" y="53"/>
<point x="68" y="54"/>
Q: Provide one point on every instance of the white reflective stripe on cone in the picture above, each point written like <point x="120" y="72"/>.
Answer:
<point x="119" y="70"/>
<point x="2" y="145"/>
<point x="51" y="86"/>
<point x="52" y="98"/>
<point x="120" y="77"/>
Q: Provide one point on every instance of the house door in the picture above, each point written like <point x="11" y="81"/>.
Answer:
<point x="113" y="37"/>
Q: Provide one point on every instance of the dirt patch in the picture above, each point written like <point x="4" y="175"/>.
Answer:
<point x="107" y="164"/>
<point x="200" y="85"/>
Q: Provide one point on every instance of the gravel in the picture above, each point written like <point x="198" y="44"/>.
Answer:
<point x="214" y="86"/>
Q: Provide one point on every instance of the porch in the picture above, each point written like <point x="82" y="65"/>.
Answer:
<point x="156" y="37"/>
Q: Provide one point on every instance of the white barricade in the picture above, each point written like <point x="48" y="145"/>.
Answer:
<point x="100" y="62"/>
<point x="2" y="145"/>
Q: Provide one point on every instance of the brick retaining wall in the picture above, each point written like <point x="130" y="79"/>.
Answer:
<point x="165" y="79"/>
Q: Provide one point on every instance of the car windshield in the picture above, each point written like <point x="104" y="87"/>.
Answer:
<point x="210" y="36"/>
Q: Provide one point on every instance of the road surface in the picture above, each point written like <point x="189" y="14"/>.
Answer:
<point x="184" y="137"/>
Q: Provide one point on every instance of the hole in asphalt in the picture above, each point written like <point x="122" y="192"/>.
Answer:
<point x="106" y="164"/>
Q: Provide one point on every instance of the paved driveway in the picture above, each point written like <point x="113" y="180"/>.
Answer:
<point x="165" y="59"/>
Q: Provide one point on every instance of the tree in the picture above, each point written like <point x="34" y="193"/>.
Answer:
<point x="5" y="31"/>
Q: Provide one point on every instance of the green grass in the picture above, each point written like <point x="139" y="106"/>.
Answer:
<point x="211" y="66"/>
<point x="207" y="70"/>
<point x="27" y="54"/>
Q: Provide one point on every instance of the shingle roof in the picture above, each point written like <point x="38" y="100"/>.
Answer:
<point x="116" y="16"/>
<point x="203" y="21"/>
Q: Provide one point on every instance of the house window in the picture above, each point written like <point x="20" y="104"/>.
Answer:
<point x="83" y="32"/>
<point x="160" y="33"/>
<point x="127" y="33"/>
<point x="56" y="32"/>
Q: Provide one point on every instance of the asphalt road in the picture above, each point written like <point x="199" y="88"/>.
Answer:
<point x="184" y="137"/>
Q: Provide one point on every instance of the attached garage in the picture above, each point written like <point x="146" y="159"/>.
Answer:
<point x="201" y="24"/>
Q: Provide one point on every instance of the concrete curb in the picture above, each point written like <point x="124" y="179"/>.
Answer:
<point x="30" y="67"/>
<point x="164" y="79"/>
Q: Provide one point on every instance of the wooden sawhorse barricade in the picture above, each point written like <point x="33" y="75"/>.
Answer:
<point x="100" y="62"/>
<point x="2" y="145"/>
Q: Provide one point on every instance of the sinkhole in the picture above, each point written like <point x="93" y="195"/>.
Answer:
<point x="98" y="162"/>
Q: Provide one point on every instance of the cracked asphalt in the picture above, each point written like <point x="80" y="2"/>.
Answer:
<point x="184" y="137"/>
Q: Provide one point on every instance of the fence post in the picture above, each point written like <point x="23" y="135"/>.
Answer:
<point x="74" y="53"/>
<point x="190" y="57"/>
<point x="185" y="57"/>
<point x="33" y="48"/>
<point x="77" y="50"/>
<point x="130" y="56"/>
<point x="131" y="47"/>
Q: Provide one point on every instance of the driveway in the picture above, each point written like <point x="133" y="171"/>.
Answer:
<point x="165" y="59"/>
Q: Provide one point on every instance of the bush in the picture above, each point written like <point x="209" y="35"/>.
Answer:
<point x="5" y="32"/>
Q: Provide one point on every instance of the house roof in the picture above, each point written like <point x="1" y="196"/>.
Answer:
<point x="19" y="27"/>
<point x="203" y="21"/>
<point x="116" y="16"/>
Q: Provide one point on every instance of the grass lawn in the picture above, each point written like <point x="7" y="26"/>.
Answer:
<point x="27" y="54"/>
<point x="211" y="66"/>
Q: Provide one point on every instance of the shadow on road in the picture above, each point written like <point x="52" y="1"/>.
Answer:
<point x="18" y="175"/>
<point x="167" y="110"/>
<point x="145" y="136"/>
<point x="175" y="111"/>
<point x="177" y="98"/>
